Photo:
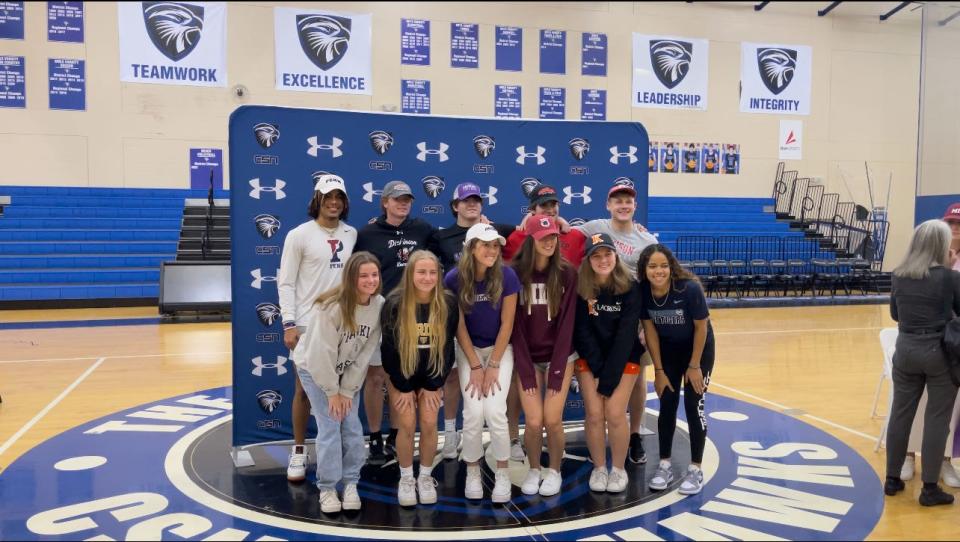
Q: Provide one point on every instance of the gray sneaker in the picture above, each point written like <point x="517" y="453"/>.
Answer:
<point x="661" y="479"/>
<point x="692" y="483"/>
<point x="516" y="451"/>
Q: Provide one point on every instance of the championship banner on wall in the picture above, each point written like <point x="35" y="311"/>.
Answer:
<point x="320" y="51"/>
<point x="775" y="78"/>
<point x="670" y="72"/>
<point x="173" y="43"/>
<point x="277" y="153"/>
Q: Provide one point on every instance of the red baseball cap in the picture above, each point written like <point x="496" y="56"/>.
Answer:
<point x="953" y="213"/>
<point x="540" y="226"/>
<point x="622" y="184"/>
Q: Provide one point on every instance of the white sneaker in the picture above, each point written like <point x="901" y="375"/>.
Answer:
<point x="531" y="484"/>
<point x="297" y="466"/>
<point x="516" y="451"/>
<point x="692" y="483"/>
<point x="427" y="487"/>
<point x="551" y="483"/>
<point x="474" y="486"/>
<point x="351" y="498"/>
<point x="598" y="479"/>
<point x="407" y="491"/>
<point x="908" y="469"/>
<point x="949" y="474"/>
<point x="617" y="481"/>
<point x="502" y="488"/>
<point x="329" y="502"/>
<point x="662" y="478"/>
<point x="451" y="440"/>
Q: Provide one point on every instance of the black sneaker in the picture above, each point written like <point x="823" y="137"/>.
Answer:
<point x="935" y="496"/>
<point x="376" y="457"/>
<point x="893" y="486"/>
<point x="636" y="454"/>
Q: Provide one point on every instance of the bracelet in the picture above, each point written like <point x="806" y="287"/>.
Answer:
<point x="657" y="370"/>
<point x="492" y="366"/>
<point x="692" y="367"/>
<point x="289" y="325"/>
<point x="477" y="368"/>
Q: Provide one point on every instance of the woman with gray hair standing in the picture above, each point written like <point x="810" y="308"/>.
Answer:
<point x="917" y="304"/>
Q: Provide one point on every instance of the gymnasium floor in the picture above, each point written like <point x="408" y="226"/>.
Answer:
<point x="787" y="368"/>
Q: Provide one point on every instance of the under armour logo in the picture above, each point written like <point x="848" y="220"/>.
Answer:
<point x="369" y="193"/>
<point x="259" y="278"/>
<point x="276" y="190"/>
<point x="259" y="366"/>
<point x="440" y="152"/>
<point x="522" y="155"/>
<point x="570" y="194"/>
<point x="333" y="147"/>
<point x="490" y="196"/>
<point x="616" y="155"/>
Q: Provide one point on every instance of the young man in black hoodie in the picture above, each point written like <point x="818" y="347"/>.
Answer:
<point x="391" y="238"/>
<point x="467" y="208"/>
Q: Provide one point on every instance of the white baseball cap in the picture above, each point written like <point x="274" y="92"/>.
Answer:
<point x="484" y="232"/>
<point x="328" y="183"/>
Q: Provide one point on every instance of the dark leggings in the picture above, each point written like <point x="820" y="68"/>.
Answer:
<point x="675" y="363"/>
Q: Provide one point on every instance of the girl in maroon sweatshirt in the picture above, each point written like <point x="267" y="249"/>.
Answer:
<point x="542" y="345"/>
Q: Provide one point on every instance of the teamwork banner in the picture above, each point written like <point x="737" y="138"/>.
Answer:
<point x="775" y="78"/>
<point x="13" y="82"/>
<point x="173" y="43"/>
<point x="11" y="20"/>
<point x="594" y="54"/>
<point x="464" y="45"/>
<point x="553" y="51"/>
<point x="276" y="154"/>
<point x="322" y="51"/>
<point x="206" y="165"/>
<point x="415" y="42"/>
<point x="65" y="21"/>
<point x="670" y="72"/>
<point x="509" y="48"/>
<point x="553" y="102"/>
<point x="415" y="96"/>
<point x="593" y="104"/>
<point x="67" y="84"/>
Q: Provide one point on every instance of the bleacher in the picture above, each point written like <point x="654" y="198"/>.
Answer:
<point x="77" y="245"/>
<point x="74" y="246"/>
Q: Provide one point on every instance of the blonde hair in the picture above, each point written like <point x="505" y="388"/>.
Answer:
<point x="929" y="246"/>
<point x="467" y="271"/>
<point x="407" y="334"/>
<point x="345" y="294"/>
<point x="588" y="286"/>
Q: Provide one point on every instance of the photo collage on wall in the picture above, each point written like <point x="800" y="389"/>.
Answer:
<point x="693" y="157"/>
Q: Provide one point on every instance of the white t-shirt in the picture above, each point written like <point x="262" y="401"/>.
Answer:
<point x="629" y="245"/>
<point x="312" y="263"/>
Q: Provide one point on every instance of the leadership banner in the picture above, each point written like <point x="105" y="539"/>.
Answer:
<point x="775" y="78"/>
<point x="670" y="72"/>
<point x="169" y="43"/>
<point x="321" y="51"/>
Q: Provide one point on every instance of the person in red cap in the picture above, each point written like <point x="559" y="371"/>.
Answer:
<point x="544" y="201"/>
<point x="952" y="217"/>
<point x="542" y="346"/>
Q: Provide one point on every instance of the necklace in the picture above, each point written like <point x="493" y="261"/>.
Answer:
<point x="654" y="297"/>
<point x="330" y="231"/>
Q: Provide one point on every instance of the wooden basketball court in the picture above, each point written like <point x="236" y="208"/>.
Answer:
<point x="818" y="364"/>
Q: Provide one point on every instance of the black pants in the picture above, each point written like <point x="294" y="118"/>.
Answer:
<point x="675" y="363"/>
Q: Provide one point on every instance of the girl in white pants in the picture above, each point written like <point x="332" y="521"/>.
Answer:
<point x="487" y="296"/>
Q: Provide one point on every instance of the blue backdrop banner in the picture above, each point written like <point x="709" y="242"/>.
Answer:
<point x="276" y="153"/>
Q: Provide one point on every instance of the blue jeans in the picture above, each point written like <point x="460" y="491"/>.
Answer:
<point x="341" y="452"/>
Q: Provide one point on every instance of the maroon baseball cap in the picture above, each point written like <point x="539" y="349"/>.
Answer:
<point x="540" y="226"/>
<point x="953" y="213"/>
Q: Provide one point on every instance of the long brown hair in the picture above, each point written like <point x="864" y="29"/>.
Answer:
<point x="345" y="294"/>
<point x="524" y="263"/>
<point x="407" y="334"/>
<point x="467" y="271"/>
<point x="588" y="286"/>
<point x="677" y="271"/>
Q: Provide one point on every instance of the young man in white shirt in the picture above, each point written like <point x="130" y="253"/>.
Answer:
<point x="311" y="263"/>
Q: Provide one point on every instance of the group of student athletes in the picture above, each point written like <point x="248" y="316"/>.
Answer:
<point x="501" y="318"/>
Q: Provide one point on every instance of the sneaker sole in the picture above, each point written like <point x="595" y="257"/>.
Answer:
<point x="352" y="507"/>
<point x="407" y="503"/>
<point x="296" y="479"/>
<point x="616" y="490"/>
<point x="658" y="487"/>
<point x="501" y="499"/>
<point x="599" y="490"/>
<point x="473" y="496"/>
<point x="330" y="510"/>
<point x="525" y="491"/>
<point x="428" y="501"/>
<point x="542" y="494"/>
<point x="688" y="491"/>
